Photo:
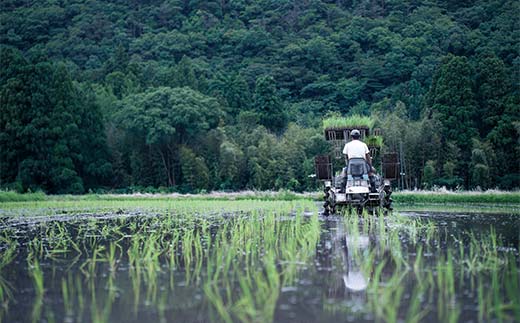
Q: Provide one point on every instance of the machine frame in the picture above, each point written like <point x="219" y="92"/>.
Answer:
<point x="357" y="194"/>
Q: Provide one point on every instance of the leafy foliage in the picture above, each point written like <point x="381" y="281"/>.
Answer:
<point x="112" y="94"/>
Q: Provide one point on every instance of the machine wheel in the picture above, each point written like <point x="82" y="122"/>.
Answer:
<point x="326" y="191"/>
<point x="326" y="208"/>
<point x="329" y="207"/>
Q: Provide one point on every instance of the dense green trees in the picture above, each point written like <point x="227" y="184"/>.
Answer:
<point x="269" y="105"/>
<point x="51" y="129"/>
<point x="159" y="125"/>
<point x="451" y="97"/>
<point x="191" y="95"/>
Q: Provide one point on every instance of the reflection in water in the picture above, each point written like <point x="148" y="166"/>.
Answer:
<point x="353" y="277"/>
<point x="275" y="264"/>
<point x="402" y="269"/>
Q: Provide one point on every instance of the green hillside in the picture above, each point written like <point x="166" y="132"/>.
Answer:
<point x="199" y="95"/>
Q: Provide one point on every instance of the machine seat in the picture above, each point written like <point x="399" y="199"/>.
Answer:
<point x="357" y="167"/>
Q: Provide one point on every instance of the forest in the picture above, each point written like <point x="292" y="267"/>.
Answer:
<point x="193" y="96"/>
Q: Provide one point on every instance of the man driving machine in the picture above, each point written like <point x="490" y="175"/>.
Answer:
<point x="358" y="149"/>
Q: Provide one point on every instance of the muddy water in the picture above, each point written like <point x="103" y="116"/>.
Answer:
<point x="337" y="287"/>
<point x="416" y="267"/>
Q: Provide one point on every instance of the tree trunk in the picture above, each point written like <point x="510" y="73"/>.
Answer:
<point x="171" y="180"/>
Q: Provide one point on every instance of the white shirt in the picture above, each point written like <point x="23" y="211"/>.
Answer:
<point x="355" y="149"/>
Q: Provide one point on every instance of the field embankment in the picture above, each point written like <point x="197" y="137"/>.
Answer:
<point x="9" y="196"/>
<point x="400" y="197"/>
<point x="225" y="196"/>
<point x="403" y="200"/>
<point x="487" y="197"/>
<point x="467" y="202"/>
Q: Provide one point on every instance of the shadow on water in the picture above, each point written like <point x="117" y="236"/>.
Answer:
<point x="276" y="262"/>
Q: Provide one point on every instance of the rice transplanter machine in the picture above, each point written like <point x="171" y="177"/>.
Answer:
<point x="355" y="187"/>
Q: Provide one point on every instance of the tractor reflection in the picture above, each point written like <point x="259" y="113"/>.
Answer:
<point x="348" y="258"/>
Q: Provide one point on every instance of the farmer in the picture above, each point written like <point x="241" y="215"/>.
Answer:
<point x="358" y="149"/>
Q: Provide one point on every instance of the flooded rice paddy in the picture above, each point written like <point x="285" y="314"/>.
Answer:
<point x="253" y="261"/>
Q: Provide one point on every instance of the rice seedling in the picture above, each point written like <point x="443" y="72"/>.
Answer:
<point x="374" y="141"/>
<point x="446" y="302"/>
<point x="6" y="295"/>
<point x="415" y="313"/>
<point x="218" y="303"/>
<point x="338" y="122"/>
<point x="417" y="266"/>
<point x="37" y="278"/>
<point x="101" y="305"/>
<point x="9" y="253"/>
<point x="239" y="261"/>
<point x="111" y="257"/>
<point x="259" y="292"/>
<point x="482" y="301"/>
<point x="80" y="297"/>
<point x="88" y="268"/>
<point x="136" y="282"/>
<point x="36" y="274"/>
<point x="67" y="295"/>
